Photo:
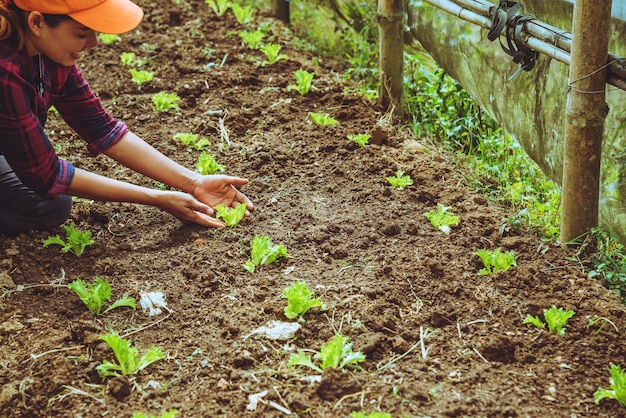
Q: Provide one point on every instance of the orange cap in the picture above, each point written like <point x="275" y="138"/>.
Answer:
<point x="106" y="16"/>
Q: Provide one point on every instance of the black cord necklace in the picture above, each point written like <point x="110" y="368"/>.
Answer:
<point x="40" y="85"/>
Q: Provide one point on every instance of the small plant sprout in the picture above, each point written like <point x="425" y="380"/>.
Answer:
<point x="96" y="294"/>
<point x="219" y="7"/>
<point x="299" y="300"/>
<point x="322" y="119"/>
<point x="192" y="140"/>
<point x="127" y="356"/>
<point x="243" y="14"/>
<point x="595" y="320"/>
<point x="108" y="38"/>
<point x="618" y="387"/>
<point x="231" y="216"/>
<point x="442" y="219"/>
<point x="335" y="353"/>
<point x="401" y="181"/>
<point x="127" y="58"/>
<point x="375" y="414"/>
<point x="303" y="81"/>
<point x="207" y="165"/>
<point x="361" y="139"/>
<point x="272" y="53"/>
<point x="495" y="261"/>
<point x="164" y="102"/>
<point x="75" y="240"/>
<point x="556" y="318"/>
<point x="262" y="251"/>
<point x="140" y="77"/>
<point x="252" y="39"/>
<point x="165" y="414"/>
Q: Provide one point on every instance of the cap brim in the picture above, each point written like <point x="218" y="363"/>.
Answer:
<point x="111" y="16"/>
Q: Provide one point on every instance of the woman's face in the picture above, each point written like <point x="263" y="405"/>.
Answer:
<point x="63" y="44"/>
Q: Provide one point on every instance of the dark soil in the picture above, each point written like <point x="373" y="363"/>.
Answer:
<point x="366" y="250"/>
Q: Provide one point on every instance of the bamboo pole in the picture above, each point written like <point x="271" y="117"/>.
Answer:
<point x="541" y="37"/>
<point x="391" y="20"/>
<point x="585" y="113"/>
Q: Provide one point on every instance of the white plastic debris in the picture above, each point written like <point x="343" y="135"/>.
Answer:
<point x="153" y="302"/>
<point x="254" y="399"/>
<point x="277" y="330"/>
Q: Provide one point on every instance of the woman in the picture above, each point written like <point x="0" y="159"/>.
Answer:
<point x="40" y="42"/>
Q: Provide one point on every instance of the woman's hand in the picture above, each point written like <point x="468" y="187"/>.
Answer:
<point x="187" y="209"/>
<point x="220" y="189"/>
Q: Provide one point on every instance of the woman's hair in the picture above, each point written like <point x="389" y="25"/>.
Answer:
<point x="13" y="23"/>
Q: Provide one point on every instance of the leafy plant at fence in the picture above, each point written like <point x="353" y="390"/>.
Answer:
<point x="75" y="240"/>
<point x="252" y="39"/>
<point x="335" y="353"/>
<point x="401" y="181"/>
<point x="299" y="300"/>
<point x="108" y="38"/>
<point x="219" y="7"/>
<point x="262" y="252"/>
<point x="95" y="295"/>
<point x="609" y="261"/>
<point x="231" y="216"/>
<point x="165" y="414"/>
<point x="207" y="165"/>
<point x="441" y="218"/>
<point x="322" y="119"/>
<point x="192" y="140"/>
<point x="243" y="14"/>
<point x="272" y="53"/>
<point x="127" y="355"/>
<point x="303" y="81"/>
<point x="555" y="318"/>
<point x="361" y="139"/>
<point x="140" y="77"/>
<point x="164" y="102"/>
<point x="375" y="414"/>
<point x="495" y="261"/>
<point x="618" y="387"/>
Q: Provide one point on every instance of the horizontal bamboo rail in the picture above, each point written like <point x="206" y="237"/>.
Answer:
<point x="541" y="37"/>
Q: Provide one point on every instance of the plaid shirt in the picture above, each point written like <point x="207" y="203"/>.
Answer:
<point x="24" y="103"/>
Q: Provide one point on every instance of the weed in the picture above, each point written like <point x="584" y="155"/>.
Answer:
<point x="609" y="262"/>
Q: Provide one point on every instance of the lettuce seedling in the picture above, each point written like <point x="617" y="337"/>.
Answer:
<point x="252" y="39"/>
<point x="127" y="356"/>
<point x="140" y="76"/>
<point x="192" y="140"/>
<point x="374" y="414"/>
<point x="165" y="414"/>
<point x="109" y="38"/>
<point x="322" y="119"/>
<point x="164" y="102"/>
<point x="243" y="14"/>
<point x="618" y="387"/>
<point x="95" y="295"/>
<point x="442" y="219"/>
<point x="230" y="216"/>
<point x="272" y="52"/>
<point x="303" y="81"/>
<point x="495" y="261"/>
<point x="400" y="181"/>
<point x="299" y="300"/>
<point x="127" y="58"/>
<point x="263" y="252"/>
<point x="335" y="353"/>
<point x="75" y="240"/>
<point x="556" y="318"/>
<point x="219" y="6"/>
<point x="207" y="165"/>
<point x="361" y="139"/>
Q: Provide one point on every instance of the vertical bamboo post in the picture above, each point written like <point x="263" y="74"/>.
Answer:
<point x="391" y="20"/>
<point x="281" y="10"/>
<point x="585" y="113"/>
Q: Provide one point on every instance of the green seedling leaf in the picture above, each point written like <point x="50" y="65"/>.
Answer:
<point x="272" y="52"/>
<point x="302" y="359"/>
<point x="108" y="38"/>
<point x="127" y="356"/>
<point x="400" y="181"/>
<point x="75" y="241"/>
<point x="127" y="58"/>
<point x="231" y="216"/>
<point x="243" y="14"/>
<point x="140" y="77"/>
<point x="618" y="387"/>
<point x="361" y="139"/>
<point x="495" y="261"/>
<point x="95" y="295"/>
<point x="252" y="39"/>
<point x="207" y="165"/>
<point x="164" y="102"/>
<point x="533" y="320"/>
<point x="322" y="119"/>
<point x="555" y="318"/>
<point x="442" y="219"/>
<point x="219" y="7"/>
<point x="165" y="414"/>
<point x="303" y="81"/>
<point x="263" y="252"/>
<point x="299" y="300"/>
<point x="375" y="414"/>
<point x="335" y="353"/>
<point x="192" y="140"/>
